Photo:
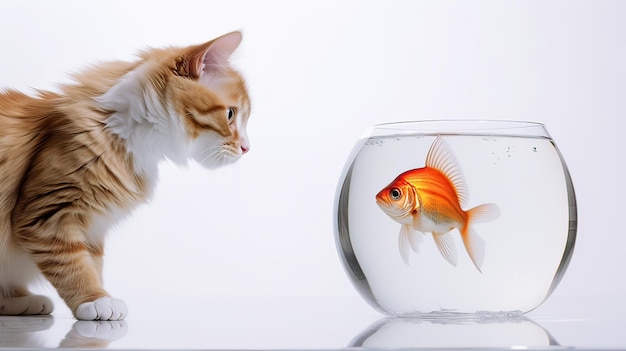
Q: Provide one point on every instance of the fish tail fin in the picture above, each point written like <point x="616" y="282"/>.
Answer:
<point x="474" y="244"/>
<point x="483" y="213"/>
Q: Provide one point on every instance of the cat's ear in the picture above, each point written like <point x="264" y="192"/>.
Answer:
<point x="219" y="50"/>
<point x="210" y="56"/>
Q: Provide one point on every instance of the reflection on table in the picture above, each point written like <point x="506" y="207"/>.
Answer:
<point x="454" y="332"/>
<point x="29" y="332"/>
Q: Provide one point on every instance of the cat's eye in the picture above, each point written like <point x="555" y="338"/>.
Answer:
<point x="230" y="113"/>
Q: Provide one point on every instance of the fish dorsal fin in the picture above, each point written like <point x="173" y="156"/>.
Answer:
<point x="441" y="158"/>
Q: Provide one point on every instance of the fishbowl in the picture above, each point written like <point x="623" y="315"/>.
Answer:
<point x="453" y="218"/>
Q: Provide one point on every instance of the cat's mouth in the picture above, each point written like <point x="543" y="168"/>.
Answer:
<point x="233" y="151"/>
<point x="218" y="156"/>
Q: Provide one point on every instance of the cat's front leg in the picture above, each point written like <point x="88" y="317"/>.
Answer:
<point x="104" y="308"/>
<point x="79" y="282"/>
<point x="59" y="247"/>
<point x="75" y="272"/>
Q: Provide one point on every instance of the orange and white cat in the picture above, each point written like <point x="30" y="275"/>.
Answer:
<point x="75" y="162"/>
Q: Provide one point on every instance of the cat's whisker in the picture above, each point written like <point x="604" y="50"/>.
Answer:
<point x="215" y="154"/>
<point x="208" y="149"/>
<point x="224" y="157"/>
<point x="219" y="154"/>
<point x="207" y="158"/>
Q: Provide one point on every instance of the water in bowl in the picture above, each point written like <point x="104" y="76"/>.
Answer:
<point x="527" y="247"/>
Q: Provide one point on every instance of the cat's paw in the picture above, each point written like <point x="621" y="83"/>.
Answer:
<point x="25" y="305"/>
<point x="103" y="309"/>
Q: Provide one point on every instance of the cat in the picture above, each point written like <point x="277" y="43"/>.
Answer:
<point x="75" y="162"/>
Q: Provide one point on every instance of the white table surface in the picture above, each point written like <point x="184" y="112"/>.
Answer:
<point x="322" y="323"/>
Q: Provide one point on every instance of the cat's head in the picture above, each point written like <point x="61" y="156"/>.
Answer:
<point x="216" y="117"/>
<point x="187" y="101"/>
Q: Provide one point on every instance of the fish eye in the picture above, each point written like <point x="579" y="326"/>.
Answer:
<point x="395" y="193"/>
<point x="230" y="113"/>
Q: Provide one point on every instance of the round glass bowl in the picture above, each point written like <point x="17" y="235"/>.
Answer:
<point x="455" y="217"/>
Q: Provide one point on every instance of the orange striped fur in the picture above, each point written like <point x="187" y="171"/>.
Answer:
<point x="74" y="162"/>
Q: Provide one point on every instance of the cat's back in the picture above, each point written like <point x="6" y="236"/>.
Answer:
<point x="22" y="118"/>
<point x="13" y="102"/>
<point x="21" y="114"/>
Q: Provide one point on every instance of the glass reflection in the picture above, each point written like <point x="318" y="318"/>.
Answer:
<point x="454" y="332"/>
<point x="18" y="332"/>
<point x="33" y="332"/>
<point x="94" y="334"/>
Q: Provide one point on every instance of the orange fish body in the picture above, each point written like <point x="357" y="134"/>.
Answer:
<point x="429" y="200"/>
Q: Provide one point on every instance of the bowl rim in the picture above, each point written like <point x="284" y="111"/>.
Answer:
<point x="461" y="127"/>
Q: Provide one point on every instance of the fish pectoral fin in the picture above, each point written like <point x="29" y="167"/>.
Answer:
<point x="445" y="244"/>
<point x="414" y="239"/>
<point x="404" y="242"/>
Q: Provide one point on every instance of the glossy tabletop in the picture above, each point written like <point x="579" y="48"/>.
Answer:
<point x="323" y="323"/>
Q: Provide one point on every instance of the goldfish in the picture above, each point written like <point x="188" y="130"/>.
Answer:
<point x="431" y="200"/>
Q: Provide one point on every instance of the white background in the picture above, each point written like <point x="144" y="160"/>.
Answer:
<point x="319" y="73"/>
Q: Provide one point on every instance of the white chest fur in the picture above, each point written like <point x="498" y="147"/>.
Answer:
<point x="102" y="223"/>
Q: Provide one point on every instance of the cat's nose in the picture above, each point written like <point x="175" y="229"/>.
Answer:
<point x="245" y="149"/>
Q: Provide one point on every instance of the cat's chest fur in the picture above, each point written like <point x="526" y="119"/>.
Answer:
<point x="101" y="223"/>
